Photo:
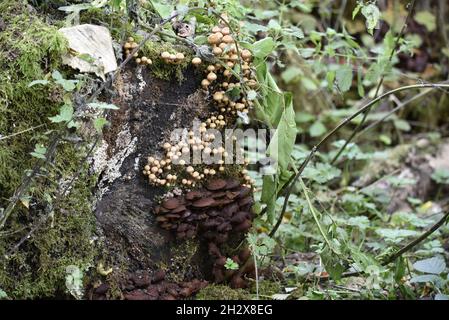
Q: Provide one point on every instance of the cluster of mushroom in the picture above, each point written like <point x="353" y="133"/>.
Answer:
<point x="129" y="46"/>
<point x="140" y="285"/>
<point x="224" y="206"/>
<point x="173" y="58"/>
<point x="221" y="78"/>
<point x="213" y="213"/>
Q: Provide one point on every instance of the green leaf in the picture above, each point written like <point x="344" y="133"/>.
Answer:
<point x="372" y="14"/>
<point x="317" y="129"/>
<point x="402" y="125"/>
<point x="103" y="105"/>
<point x="264" y="47"/>
<point x="290" y="74"/>
<point x="164" y="10"/>
<point x="356" y="10"/>
<point x="39" y="151"/>
<point x="231" y="264"/>
<point x="441" y="176"/>
<point x="427" y="19"/>
<point x="251" y="95"/>
<point x="332" y="263"/>
<point x="344" y="77"/>
<point x="99" y="123"/>
<point x="65" y="114"/>
<point x="435" y="265"/>
<point x="3" y="294"/>
<point x="43" y="82"/>
<point x="282" y="143"/>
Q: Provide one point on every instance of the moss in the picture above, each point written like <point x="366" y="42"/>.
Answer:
<point x="159" y="68"/>
<point x="267" y="288"/>
<point x="222" y="292"/>
<point x="30" y="49"/>
<point x="179" y="268"/>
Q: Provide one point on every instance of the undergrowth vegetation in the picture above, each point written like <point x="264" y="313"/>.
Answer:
<point x="358" y="205"/>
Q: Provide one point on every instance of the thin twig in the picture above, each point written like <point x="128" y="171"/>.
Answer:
<point x="292" y="181"/>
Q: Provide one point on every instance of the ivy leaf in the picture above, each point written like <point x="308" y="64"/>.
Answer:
<point x="344" y="77"/>
<point x="264" y="47"/>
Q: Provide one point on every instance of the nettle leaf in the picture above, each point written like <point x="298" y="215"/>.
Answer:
<point x="264" y="47"/>
<point x="99" y="123"/>
<point x="103" y="105"/>
<point x="427" y="19"/>
<point x="65" y="114"/>
<point x="435" y="265"/>
<point x="372" y="14"/>
<point x="321" y="172"/>
<point x="396" y="235"/>
<point x="344" y="77"/>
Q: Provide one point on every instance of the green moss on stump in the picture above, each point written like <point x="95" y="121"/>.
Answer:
<point x="29" y="50"/>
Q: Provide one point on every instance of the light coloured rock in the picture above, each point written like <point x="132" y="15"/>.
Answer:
<point x="90" y="49"/>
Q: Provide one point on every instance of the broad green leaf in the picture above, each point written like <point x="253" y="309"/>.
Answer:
<point x="65" y="114"/>
<point x="164" y="10"/>
<point x="317" y="129"/>
<point x="344" y="77"/>
<point x="282" y="143"/>
<point x="427" y="19"/>
<point x="99" y="123"/>
<point x="264" y="47"/>
<point x="372" y="14"/>
<point x="435" y="265"/>
<point x="402" y="125"/>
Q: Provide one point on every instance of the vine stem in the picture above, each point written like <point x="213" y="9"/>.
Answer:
<point x="294" y="178"/>
<point x="367" y="111"/>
